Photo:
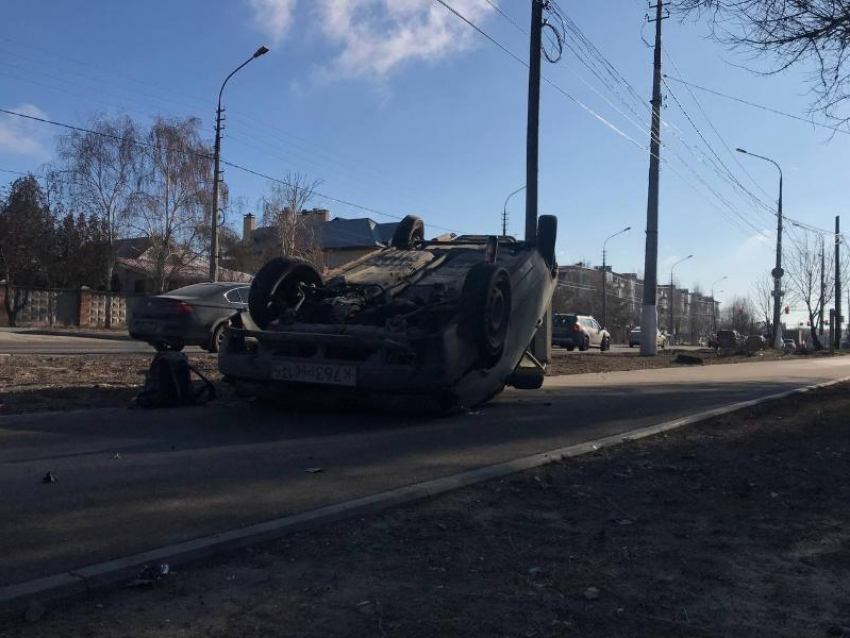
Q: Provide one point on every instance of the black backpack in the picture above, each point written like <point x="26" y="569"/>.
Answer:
<point x="168" y="383"/>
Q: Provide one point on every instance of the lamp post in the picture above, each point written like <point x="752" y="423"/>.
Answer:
<point x="672" y="291"/>
<point x="505" y="211"/>
<point x="605" y="276"/>
<point x="777" y="272"/>
<point x="714" y="303"/>
<point x="217" y="159"/>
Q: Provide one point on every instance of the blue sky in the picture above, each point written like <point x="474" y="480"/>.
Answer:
<point x="398" y="106"/>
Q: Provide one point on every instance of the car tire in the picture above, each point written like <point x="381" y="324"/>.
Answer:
<point x="547" y="234"/>
<point x="409" y="231"/>
<point x="277" y="286"/>
<point x="216" y="337"/>
<point x="570" y="348"/>
<point x="606" y="344"/>
<point x="584" y="344"/>
<point x="487" y="309"/>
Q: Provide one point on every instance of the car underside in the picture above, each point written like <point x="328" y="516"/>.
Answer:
<point x="449" y="323"/>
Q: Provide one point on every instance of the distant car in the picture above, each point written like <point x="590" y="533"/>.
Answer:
<point x="195" y="315"/>
<point x="579" y="331"/>
<point x="635" y="334"/>
<point x="789" y="344"/>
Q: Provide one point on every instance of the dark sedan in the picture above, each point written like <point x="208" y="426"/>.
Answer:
<point x="194" y="315"/>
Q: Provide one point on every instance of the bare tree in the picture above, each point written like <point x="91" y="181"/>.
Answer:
<point x="174" y="172"/>
<point x="803" y="267"/>
<point x="793" y="31"/>
<point x="297" y="234"/>
<point x="762" y="301"/>
<point x="99" y="169"/>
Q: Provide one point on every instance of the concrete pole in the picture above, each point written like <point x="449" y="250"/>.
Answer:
<point x="649" y="314"/>
<point x="533" y="132"/>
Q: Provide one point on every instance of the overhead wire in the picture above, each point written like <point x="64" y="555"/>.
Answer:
<point x="209" y="156"/>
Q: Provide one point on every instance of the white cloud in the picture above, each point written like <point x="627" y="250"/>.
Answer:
<point x="273" y="17"/>
<point x="24" y="137"/>
<point x="376" y="36"/>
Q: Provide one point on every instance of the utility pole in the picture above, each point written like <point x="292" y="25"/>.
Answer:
<point x="649" y="314"/>
<point x="777" y="273"/>
<point x="837" y="325"/>
<point x="535" y="53"/>
<point x="605" y="275"/>
<point x="216" y="179"/>
<point x="217" y="170"/>
<point x="505" y="211"/>
<point x="822" y="283"/>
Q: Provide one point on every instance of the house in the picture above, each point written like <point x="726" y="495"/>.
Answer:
<point x="340" y="240"/>
<point x="135" y="269"/>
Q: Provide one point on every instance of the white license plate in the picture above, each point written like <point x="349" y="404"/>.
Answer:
<point x="314" y="373"/>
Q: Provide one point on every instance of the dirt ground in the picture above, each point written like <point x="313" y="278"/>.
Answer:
<point x="583" y="362"/>
<point x="735" y="527"/>
<point x="30" y="383"/>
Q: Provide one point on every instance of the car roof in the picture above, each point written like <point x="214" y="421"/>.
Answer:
<point x="205" y="289"/>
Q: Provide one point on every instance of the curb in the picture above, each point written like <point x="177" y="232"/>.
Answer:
<point x="16" y="598"/>
<point x="74" y="333"/>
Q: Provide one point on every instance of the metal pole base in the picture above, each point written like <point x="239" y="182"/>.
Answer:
<point x="648" y="326"/>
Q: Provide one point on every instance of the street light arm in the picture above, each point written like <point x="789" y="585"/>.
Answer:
<point x="507" y="199"/>
<point x="762" y="157"/>
<point x="261" y="51"/>
<point x="619" y="232"/>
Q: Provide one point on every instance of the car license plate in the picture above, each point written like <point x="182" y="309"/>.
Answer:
<point x="314" y="373"/>
<point x="145" y="326"/>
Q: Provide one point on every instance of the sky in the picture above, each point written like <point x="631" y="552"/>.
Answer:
<point x="400" y="107"/>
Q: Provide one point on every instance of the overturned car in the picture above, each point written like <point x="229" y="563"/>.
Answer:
<point x="442" y="324"/>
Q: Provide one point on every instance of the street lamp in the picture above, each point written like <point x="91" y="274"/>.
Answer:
<point x="714" y="303"/>
<point x="605" y="276"/>
<point x="777" y="272"/>
<point x="671" y="291"/>
<point x="217" y="155"/>
<point x="505" y="211"/>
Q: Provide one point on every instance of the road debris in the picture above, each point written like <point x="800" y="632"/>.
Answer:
<point x="591" y="593"/>
<point x="314" y="470"/>
<point x="48" y="478"/>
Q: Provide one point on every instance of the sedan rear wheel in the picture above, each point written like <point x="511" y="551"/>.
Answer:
<point x="217" y="337"/>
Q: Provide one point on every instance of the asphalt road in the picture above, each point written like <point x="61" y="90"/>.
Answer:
<point x="129" y="481"/>
<point x="22" y="342"/>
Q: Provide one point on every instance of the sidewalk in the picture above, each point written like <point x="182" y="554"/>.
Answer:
<point x="734" y="527"/>
<point x="86" y="333"/>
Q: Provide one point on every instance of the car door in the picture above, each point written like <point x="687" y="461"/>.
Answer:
<point x="598" y="329"/>
<point x="592" y="332"/>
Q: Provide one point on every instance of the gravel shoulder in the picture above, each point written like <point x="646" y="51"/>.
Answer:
<point x="734" y="527"/>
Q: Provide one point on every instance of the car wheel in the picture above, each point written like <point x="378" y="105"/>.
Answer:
<point x="487" y="309"/>
<point x="278" y="287"/>
<point x="217" y="337"/>
<point x="571" y="348"/>
<point x="409" y="231"/>
<point x="584" y="344"/>
<point x="547" y="233"/>
<point x="606" y="344"/>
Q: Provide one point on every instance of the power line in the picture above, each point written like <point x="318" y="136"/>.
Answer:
<point x="759" y="106"/>
<point x="208" y="156"/>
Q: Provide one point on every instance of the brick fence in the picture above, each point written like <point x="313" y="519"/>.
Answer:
<point x="84" y="308"/>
